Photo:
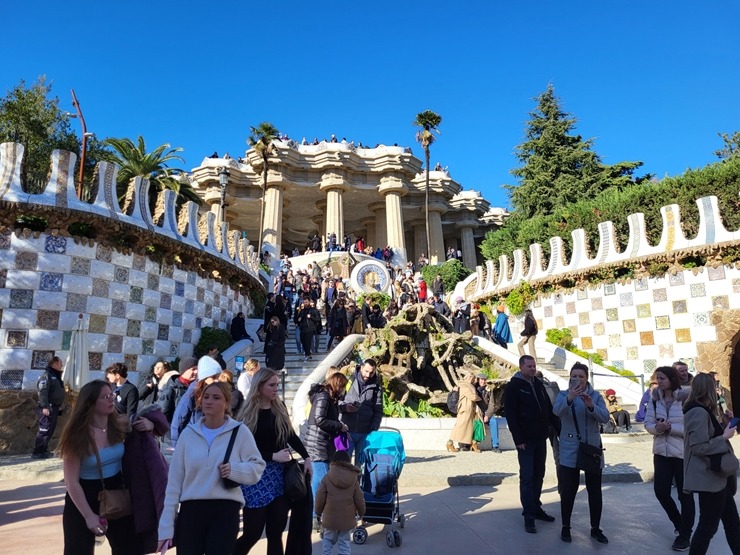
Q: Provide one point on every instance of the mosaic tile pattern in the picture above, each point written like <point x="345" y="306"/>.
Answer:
<point x="95" y="361"/>
<point x="615" y="340"/>
<point x="47" y="320"/>
<point x="573" y="331"/>
<point x="625" y="299"/>
<point x="139" y="262"/>
<point x="150" y="314"/>
<point x="174" y="349"/>
<point x="97" y="323"/>
<point x="121" y="274"/>
<point x="665" y="350"/>
<point x="11" y="379"/>
<point x="209" y="311"/>
<point x="21" y="298"/>
<point x="701" y="319"/>
<point x="130" y="360"/>
<point x="660" y="295"/>
<point x="66" y="340"/>
<point x="51" y="281"/>
<point x="147" y="346"/>
<point x="599" y="328"/>
<point x="133" y="328"/>
<point x="5" y="240"/>
<point x="697" y="290"/>
<point x="191" y="278"/>
<point x="118" y="309"/>
<point x="55" y="244"/>
<point x="618" y="364"/>
<point x="100" y="288"/>
<point x="610" y="289"/>
<point x="200" y="295"/>
<point x="187" y="336"/>
<point x="597" y="303"/>
<point x="80" y="266"/>
<point x="647" y="338"/>
<point x="177" y="319"/>
<point x="679" y="307"/>
<point x="641" y="284"/>
<point x="25" y="260"/>
<point x="582" y="294"/>
<point x="163" y="332"/>
<point x="612" y="314"/>
<point x="136" y="295"/>
<point x="115" y="343"/>
<point x="179" y="288"/>
<point x="587" y="343"/>
<point x="603" y="353"/>
<point x="716" y="274"/>
<point x="583" y="317"/>
<point x="721" y="302"/>
<point x="736" y="285"/>
<point x="662" y="322"/>
<point x="559" y="322"/>
<point x="16" y="339"/>
<point x="683" y="335"/>
<point x="629" y="326"/>
<point x="103" y="253"/>
<point x="676" y="280"/>
<point x="650" y="365"/>
<point x="3" y="278"/>
<point x="643" y="311"/>
<point x="189" y="304"/>
<point x="76" y="302"/>
<point x="168" y="270"/>
<point x="165" y="301"/>
<point x="152" y="282"/>
<point x="39" y="359"/>
<point x="631" y="353"/>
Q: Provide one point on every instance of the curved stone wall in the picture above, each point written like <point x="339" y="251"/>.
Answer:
<point x="143" y="286"/>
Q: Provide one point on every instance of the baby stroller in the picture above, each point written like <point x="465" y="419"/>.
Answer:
<point x="382" y="461"/>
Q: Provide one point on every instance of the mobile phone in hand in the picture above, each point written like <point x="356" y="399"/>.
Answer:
<point x="574" y="382"/>
<point x="734" y="422"/>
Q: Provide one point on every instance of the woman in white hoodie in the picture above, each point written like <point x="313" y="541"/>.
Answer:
<point x="208" y="520"/>
<point x="664" y="419"/>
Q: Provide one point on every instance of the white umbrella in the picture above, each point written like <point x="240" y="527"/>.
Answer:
<point x="76" y="369"/>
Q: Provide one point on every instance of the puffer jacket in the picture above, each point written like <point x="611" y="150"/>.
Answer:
<point x="670" y="444"/>
<point x="339" y="497"/>
<point x="323" y="424"/>
<point x="369" y="400"/>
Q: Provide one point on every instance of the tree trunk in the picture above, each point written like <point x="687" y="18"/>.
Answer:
<point x="426" y="203"/>
<point x="260" y="228"/>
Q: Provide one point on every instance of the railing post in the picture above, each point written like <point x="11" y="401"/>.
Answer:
<point x="283" y="373"/>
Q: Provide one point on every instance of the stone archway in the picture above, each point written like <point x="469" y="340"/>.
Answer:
<point x="723" y="355"/>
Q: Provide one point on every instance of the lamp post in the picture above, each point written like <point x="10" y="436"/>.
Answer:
<point x="223" y="181"/>
<point x="85" y="135"/>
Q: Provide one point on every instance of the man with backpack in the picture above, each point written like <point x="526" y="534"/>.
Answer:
<point x="362" y="407"/>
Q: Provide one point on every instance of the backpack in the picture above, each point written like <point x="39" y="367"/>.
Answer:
<point x="453" y="398"/>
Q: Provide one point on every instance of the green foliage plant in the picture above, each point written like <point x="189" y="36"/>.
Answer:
<point x="561" y="337"/>
<point x="452" y="272"/>
<point x="520" y="298"/>
<point x="212" y="336"/>
<point x="381" y="299"/>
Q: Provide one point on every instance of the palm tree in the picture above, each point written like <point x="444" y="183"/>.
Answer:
<point x="135" y="161"/>
<point x="261" y="141"/>
<point x="429" y="123"/>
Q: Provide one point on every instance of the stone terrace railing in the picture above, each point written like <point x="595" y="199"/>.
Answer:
<point x="492" y="278"/>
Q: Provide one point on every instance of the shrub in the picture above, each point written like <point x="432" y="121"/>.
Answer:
<point x="212" y="336"/>
<point x="520" y="298"/>
<point x="560" y="337"/>
<point x="375" y="298"/>
<point x="451" y="272"/>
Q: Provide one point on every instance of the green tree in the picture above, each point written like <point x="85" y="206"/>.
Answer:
<point x="559" y="167"/>
<point x="135" y="161"/>
<point x="731" y="148"/>
<point x="261" y="141"/>
<point x="429" y="123"/>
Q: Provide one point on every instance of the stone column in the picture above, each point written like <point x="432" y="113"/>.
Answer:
<point x="436" y="238"/>
<point x="334" y="186"/>
<point x="369" y="235"/>
<point x="420" y="240"/>
<point x="392" y="188"/>
<point x="272" y="233"/>
<point x="380" y="237"/>
<point x="467" y="243"/>
<point x="320" y="221"/>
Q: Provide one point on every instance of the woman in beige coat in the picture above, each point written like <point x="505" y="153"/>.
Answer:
<point x="467" y="410"/>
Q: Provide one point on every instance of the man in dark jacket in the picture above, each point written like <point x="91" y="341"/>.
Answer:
<point x="238" y="328"/>
<point x="440" y="306"/>
<point x="125" y="393"/>
<point x="177" y="386"/>
<point x="362" y="407"/>
<point x="51" y="399"/>
<point x="308" y="321"/>
<point x="529" y="416"/>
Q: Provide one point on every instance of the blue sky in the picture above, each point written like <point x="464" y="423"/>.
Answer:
<point x="652" y="81"/>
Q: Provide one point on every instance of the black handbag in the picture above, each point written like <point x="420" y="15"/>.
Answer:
<point x="589" y="456"/>
<point x="229" y="483"/>
<point x="295" y="480"/>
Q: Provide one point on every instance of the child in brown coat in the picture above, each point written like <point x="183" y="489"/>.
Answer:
<point x="338" y="499"/>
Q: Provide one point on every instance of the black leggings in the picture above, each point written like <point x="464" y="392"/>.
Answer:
<point x="78" y="540"/>
<point x="272" y="519"/>
<point x="569" y="479"/>
<point x="668" y="469"/>
<point x="207" y="526"/>
<point x="622" y="418"/>
<point x="306" y="339"/>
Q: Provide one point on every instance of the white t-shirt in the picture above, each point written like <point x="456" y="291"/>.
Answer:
<point x="210" y="433"/>
<point x="243" y="383"/>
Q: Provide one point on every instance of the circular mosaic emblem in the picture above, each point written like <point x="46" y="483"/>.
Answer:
<point x="370" y="276"/>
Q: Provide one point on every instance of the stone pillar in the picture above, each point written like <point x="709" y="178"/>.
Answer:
<point x="272" y="233"/>
<point x="369" y="235"/>
<point x="436" y="238"/>
<point x="320" y="221"/>
<point x="420" y="240"/>
<point x="334" y="186"/>
<point x="392" y="188"/>
<point x="380" y="237"/>
<point x="468" y="246"/>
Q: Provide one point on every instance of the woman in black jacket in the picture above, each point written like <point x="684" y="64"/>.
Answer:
<point x="275" y="345"/>
<point x="338" y="323"/>
<point x="324" y="426"/>
<point x="149" y="389"/>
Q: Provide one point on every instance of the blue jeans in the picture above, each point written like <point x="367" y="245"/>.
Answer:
<point x="320" y="468"/>
<point x="356" y="446"/>
<point x="493" y="425"/>
<point x="339" y="537"/>
<point x="531" y="474"/>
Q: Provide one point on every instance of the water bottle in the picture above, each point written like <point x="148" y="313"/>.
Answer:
<point x="100" y="540"/>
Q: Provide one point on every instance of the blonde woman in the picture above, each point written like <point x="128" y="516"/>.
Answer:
<point x="265" y="504"/>
<point x="251" y="367"/>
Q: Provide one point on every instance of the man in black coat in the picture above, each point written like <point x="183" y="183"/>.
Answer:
<point x="238" y="328"/>
<point x="308" y="320"/>
<point x="362" y="407"/>
<point x="51" y="399"/>
<point x="529" y="416"/>
<point x="125" y="393"/>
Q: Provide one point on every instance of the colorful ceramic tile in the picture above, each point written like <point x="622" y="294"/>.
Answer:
<point x="25" y="260"/>
<point x="697" y="290"/>
<point x="701" y="319"/>
<point x="650" y="365"/>
<point x="5" y="239"/>
<point x="147" y="346"/>
<point x="150" y="314"/>
<point x="139" y="262"/>
<point x="736" y="285"/>
<point x="47" y="320"/>
<point x="625" y="299"/>
<point x="199" y="322"/>
<point x="191" y="278"/>
<point x="97" y="323"/>
<point x="583" y="317"/>
<point x="174" y="349"/>
<point x="95" y="361"/>
<point x="641" y="284"/>
<point x="660" y="295"/>
<point x="679" y="307"/>
<point x="582" y="294"/>
<point x="16" y="339"/>
<point x="21" y="298"/>
<point x="617" y="364"/>
<point x="662" y="322"/>
<point x="133" y="328"/>
<point x="55" y="244"/>
<point x="597" y="303"/>
<point x="610" y="289"/>
<point x="163" y="332"/>
<point x="187" y="336"/>
<point x="612" y="314"/>
<point x="603" y="353"/>
<point x="665" y="350"/>
<point x="189" y="304"/>
<point x="587" y="343"/>
<point x="675" y="280"/>
<point x="647" y="338"/>
<point x="165" y="301"/>
<point x="80" y="266"/>
<point x="721" y="302"/>
<point x="120" y="274"/>
<point x="51" y="281"/>
<point x="556" y="299"/>
<point x="103" y="252"/>
<point x="118" y="309"/>
<point x="131" y="361"/>
<point x="573" y="331"/>
<point x="152" y="282"/>
<point x="716" y="274"/>
<point x="629" y="326"/>
<point x="100" y="288"/>
<point x="643" y="311"/>
<point x="115" y="343"/>
<point x="11" y="380"/>
<point x="3" y="277"/>
<point x="177" y="319"/>
<point x="40" y="359"/>
<point x="548" y="309"/>
<point x="683" y="335"/>
<point x="168" y="270"/>
<point x="136" y="295"/>
<point x="66" y="340"/>
<point x="200" y="295"/>
<point x="179" y="288"/>
<point x="615" y="340"/>
<point x="631" y="353"/>
<point x="209" y="311"/>
<point x="598" y="328"/>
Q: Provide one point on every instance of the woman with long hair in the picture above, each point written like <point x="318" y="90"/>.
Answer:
<point x="94" y="430"/>
<point x="275" y="344"/>
<point x="324" y="425"/>
<point x="150" y="386"/>
<point x="582" y="411"/>
<point x="208" y="518"/>
<point x="664" y="419"/>
<point x="266" y="505"/>
<point x="710" y="466"/>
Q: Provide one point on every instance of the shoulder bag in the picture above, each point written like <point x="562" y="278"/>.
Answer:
<point x="229" y="483"/>
<point x="114" y="503"/>
<point x="589" y="456"/>
<point x="295" y="480"/>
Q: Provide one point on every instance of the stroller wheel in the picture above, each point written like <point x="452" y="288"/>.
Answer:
<point x="397" y="539"/>
<point x="402" y="520"/>
<point x="389" y="539"/>
<point x="359" y="536"/>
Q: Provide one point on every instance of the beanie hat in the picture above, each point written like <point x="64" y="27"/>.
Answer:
<point x="187" y="363"/>
<point x="208" y="367"/>
<point x="610" y="392"/>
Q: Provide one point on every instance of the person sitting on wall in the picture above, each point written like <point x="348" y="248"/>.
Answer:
<point x="239" y="329"/>
<point x="621" y="417"/>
